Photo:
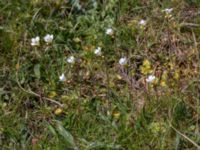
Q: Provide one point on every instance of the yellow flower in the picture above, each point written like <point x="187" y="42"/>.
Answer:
<point x="116" y="115"/>
<point x="163" y="83"/>
<point x="146" y="67"/>
<point x="52" y="94"/>
<point x="58" y="111"/>
<point x="164" y="79"/>
<point x="146" y="63"/>
<point x="146" y="71"/>
<point x="171" y="65"/>
<point x="176" y="75"/>
<point x="118" y="77"/>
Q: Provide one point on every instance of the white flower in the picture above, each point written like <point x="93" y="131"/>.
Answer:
<point x="168" y="10"/>
<point x="71" y="59"/>
<point x="150" y="78"/>
<point x="35" y="41"/>
<point x="109" y="31"/>
<point x="48" y="38"/>
<point x="123" y="61"/>
<point x="62" y="77"/>
<point x="142" y="22"/>
<point x="97" y="51"/>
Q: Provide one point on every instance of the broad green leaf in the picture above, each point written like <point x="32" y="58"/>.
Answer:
<point x="52" y="130"/>
<point x="37" y="70"/>
<point x="177" y="142"/>
<point x="66" y="135"/>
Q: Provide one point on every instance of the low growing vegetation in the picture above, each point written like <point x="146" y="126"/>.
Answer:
<point x="100" y="74"/>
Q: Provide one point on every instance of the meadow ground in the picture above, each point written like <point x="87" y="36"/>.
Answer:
<point x="100" y="74"/>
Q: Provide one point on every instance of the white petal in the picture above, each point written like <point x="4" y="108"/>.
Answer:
<point x="150" y="78"/>
<point x="62" y="77"/>
<point x="109" y="31"/>
<point x="123" y="61"/>
<point x="71" y="59"/>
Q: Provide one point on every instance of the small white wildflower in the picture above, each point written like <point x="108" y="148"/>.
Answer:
<point x="142" y="22"/>
<point x="48" y="38"/>
<point x="150" y="78"/>
<point x="71" y="59"/>
<point x="97" y="51"/>
<point x="62" y="77"/>
<point x="168" y="10"/>
<point x="35" y="41"/>
<point x="123" y="61"/>
<point x="109" y="31"/>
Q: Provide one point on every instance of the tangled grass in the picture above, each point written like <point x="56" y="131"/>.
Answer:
<point x="107" y="74"/>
